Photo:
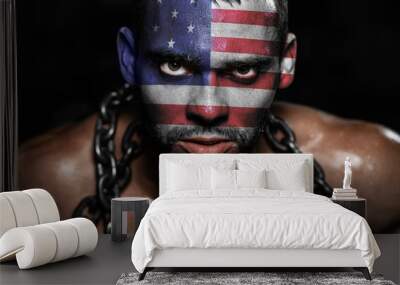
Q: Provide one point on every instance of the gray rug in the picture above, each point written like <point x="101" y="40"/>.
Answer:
<point x="243" y="278"/>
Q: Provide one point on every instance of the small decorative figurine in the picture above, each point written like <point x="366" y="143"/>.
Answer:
<point x="346" y="192"/>
<point x="347" y="174"/>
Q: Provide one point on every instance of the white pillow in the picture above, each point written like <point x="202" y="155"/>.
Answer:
<point x="223" y="179"/>
<point x="218" y="163"/>
<point x="184" y="174"/>
<point x="292" y="179"/>
<point x="235" y="179"/>
<point x="251" y="178"/>
<point x="281" y="174"/>
<point x="181" y="177"/>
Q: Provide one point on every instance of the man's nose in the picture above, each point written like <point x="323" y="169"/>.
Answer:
<point x="207" y="116"/>
<point x="209" y="108"/>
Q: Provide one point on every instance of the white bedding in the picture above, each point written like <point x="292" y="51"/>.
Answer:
<point x="251" y="218"/>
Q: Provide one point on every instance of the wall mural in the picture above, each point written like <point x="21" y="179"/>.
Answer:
<point x="204" y="76"/>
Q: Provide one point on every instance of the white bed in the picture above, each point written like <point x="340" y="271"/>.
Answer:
<point x="249" y="227"/>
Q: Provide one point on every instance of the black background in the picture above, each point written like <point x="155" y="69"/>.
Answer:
<point x="347" y="63"/>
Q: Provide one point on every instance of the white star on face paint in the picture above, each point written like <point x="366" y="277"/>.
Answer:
<point x="190" y="28"/>
<point x="174" y="14"/>
<point x="171" y="43"/>
<point x="156" y="28"/>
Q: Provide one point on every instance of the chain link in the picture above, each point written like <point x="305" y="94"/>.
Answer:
<point x="288" y="144"/>
<point x="112" y="175"/>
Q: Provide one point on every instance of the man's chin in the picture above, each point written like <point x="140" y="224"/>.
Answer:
<point x="187" y="146"/>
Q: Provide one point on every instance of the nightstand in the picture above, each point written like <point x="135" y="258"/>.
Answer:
<point x="126" y="214"/>
<point x="358" y="206"/>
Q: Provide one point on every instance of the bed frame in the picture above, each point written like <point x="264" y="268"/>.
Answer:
<point x="245" y="258"/>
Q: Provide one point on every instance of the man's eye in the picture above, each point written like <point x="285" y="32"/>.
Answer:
<point x="174" y="68"/>
<point x="245" y="72"/>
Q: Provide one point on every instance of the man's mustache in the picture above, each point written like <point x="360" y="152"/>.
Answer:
<point x="242" y="136"/>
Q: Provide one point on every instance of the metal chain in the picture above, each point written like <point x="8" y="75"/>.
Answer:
<point x="112" y="175"/>
<point x="288" y="144"/>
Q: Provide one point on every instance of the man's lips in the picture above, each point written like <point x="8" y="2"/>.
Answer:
<point x="206" y="145"/>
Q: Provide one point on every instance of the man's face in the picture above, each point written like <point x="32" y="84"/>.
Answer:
<point x="208" y="72"/>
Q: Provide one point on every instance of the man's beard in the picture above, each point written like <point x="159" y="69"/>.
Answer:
<point x="169" y="135"/>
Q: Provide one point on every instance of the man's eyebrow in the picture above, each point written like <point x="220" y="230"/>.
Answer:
<point x="166" y="55"/>
<point x="259" y="62"/>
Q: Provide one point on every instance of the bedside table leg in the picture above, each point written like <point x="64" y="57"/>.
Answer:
<point x="364" y="271"/>
<point x="143" y="274"/>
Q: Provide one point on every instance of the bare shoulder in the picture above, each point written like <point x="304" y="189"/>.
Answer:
<point x="62" y="162"/>
<point x="63" y="141"/>
<point x="58" y="161"/>
<point x="313" y="126"/>
<point x="373" y="148"/>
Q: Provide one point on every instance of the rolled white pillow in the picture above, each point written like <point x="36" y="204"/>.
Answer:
<point x="46" y="207"/>
<point x="26" y="208"/>
<point x="33" y="246"/>
<point x="87" y="235"/>
<point x="23" y="208"/>
<point x="7" y="218"/>
<point x="67" y="240"/>
<point x="37" y="245"/>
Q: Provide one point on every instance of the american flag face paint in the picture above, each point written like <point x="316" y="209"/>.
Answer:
<point x="208" y="71"/>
